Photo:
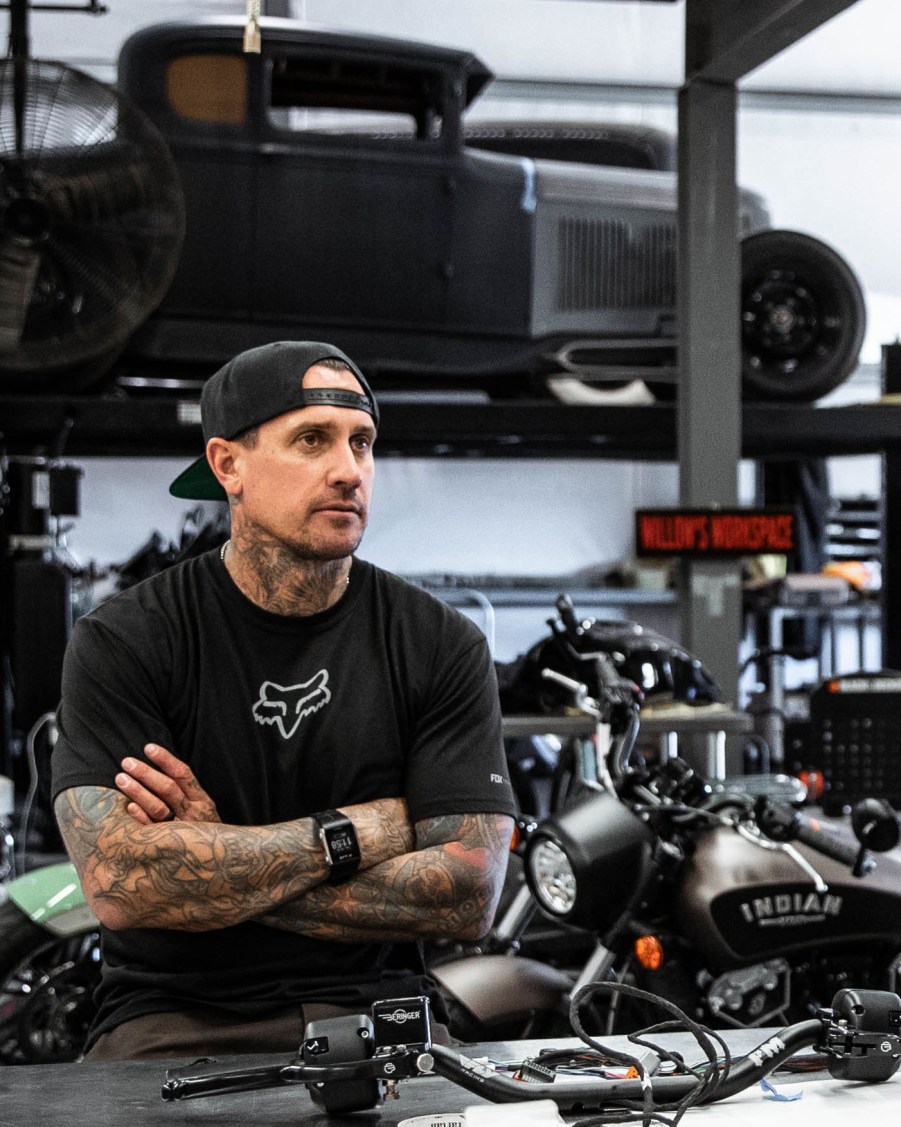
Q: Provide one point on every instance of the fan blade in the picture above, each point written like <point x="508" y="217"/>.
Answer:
<point x="113" y="190"/>
<point x="19" y="266"/>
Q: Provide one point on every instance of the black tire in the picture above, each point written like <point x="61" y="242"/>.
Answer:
<point x="802" y="317"/>
<point x="46" y="990"/>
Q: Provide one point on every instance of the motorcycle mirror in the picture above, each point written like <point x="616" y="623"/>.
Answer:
<point x="567" y="613"/>
<point x="875" y="825"/>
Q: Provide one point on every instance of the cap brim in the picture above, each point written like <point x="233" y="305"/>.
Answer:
<point x="198" y="483"/>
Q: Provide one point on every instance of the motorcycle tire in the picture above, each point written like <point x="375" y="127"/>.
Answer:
<point x="46" y="990"/>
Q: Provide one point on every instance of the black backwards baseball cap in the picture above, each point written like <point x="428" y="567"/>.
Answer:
<point x="256" y="386"/>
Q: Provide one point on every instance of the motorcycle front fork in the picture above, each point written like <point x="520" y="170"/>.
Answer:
<point x="599" y="967"/>
<point x="509" y="930"/>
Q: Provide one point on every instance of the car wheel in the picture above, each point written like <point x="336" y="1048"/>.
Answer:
<point x="802" y="317"/>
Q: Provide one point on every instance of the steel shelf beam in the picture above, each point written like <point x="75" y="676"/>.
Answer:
<point x="727" y="39"/>
<point x="169" y="427"/>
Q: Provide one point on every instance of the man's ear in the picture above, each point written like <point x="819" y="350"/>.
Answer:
<point x="222" y="456"/>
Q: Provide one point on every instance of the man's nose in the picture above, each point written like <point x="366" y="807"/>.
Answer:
<point x="345" y="466"/>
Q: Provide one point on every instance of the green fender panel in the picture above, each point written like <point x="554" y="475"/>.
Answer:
<point x="52" y="897"/>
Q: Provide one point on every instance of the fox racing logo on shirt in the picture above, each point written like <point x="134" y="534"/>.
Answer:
<point x="286" y="706"/>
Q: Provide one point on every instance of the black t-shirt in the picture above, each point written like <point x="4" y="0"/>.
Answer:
<point x="389" y="692"/>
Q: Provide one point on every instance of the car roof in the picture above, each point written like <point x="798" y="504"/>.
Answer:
<point x="169" y="36"/>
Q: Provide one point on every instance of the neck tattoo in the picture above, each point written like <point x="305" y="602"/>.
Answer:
<point x="224" y="549"/>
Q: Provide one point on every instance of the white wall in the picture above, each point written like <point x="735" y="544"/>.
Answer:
<point x="429" y="518"/>
<point x="473" y="517"/>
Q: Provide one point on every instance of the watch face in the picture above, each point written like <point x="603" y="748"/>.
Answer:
<point x="340" y="843"/>
<point x="342" y="849"/>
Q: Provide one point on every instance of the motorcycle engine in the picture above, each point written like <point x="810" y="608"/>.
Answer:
<point x="751" y="996"/>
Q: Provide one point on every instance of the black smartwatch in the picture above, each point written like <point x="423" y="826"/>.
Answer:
<point x="339" y="839"/>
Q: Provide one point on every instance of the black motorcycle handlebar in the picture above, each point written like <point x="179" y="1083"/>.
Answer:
<point x="185" y="1084"/>
<point x="595" y="1094"/>
<point x="591" y="1094"/>
<point x="483" y="1080"/>
<point x="810" y="831"/>
<point x="783" y="823"/>
<point x="188" y="1083"/>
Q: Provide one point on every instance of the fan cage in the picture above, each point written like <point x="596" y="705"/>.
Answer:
<point x="91" y="220"/>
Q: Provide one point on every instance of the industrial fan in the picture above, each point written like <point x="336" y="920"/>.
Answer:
<point x="91" y="224"/>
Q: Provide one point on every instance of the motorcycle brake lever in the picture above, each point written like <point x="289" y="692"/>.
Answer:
<point x="582" y="701"/>
<point x="754" y="836"/>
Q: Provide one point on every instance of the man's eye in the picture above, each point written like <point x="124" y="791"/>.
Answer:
<point x="309" y="439"/>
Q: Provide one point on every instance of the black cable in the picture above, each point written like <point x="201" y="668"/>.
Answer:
<point x="706" y="1038"/>
<point x="674" y="1058"/>
<point x="598" y="1096"/>
<point x="621" y="1115"/>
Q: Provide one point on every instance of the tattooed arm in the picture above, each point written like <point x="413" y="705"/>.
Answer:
<point x="447" y="888"/>
<point x="446" y="884"/>
<point x="199" y="875"/>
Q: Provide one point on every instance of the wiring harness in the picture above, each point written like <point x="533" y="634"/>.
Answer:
<point x="351" y="1063"/>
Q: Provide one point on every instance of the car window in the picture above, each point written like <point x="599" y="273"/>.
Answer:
<point x="369" y="99"/>
<point x="211" y="88"/>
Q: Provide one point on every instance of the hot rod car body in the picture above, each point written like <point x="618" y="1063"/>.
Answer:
<point x="330" y="193"/>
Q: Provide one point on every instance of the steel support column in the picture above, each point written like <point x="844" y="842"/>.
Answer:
<point x="891" y="521"/>
<point x="724" y="41"/>
<point x="709" y="408"/>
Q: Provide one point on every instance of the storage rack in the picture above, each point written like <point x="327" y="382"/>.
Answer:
<point x="724" y="41"/>
<point x="169" y="426"/>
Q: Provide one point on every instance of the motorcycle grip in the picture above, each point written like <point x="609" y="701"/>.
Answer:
<point x="782" y="822"/>
<point x="811" y="832"/>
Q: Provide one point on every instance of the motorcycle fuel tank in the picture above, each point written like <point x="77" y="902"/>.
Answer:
<point x="52" y="897"/>
<point x="740" y="903"/>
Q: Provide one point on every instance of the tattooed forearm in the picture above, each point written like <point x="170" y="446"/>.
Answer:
<point x="188" y="875"/>
<point x="196" y="876"/>
<point x="448" y="888"/>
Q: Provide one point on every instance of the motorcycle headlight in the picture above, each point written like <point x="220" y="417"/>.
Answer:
<point x="584" y="864"/>
<point x="553" y="881"/>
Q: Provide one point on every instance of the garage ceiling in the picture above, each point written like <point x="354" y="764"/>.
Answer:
<point x="608" y="41"/>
